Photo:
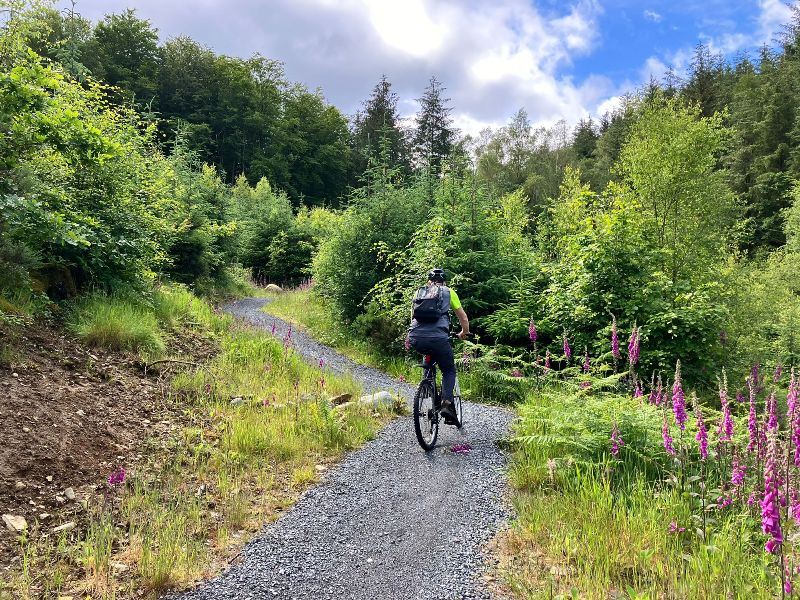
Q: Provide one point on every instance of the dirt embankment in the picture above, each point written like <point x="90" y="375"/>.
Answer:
<point x="69" y="416"/>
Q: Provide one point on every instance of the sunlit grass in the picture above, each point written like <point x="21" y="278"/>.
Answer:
<point x="309" y="311"/>
<point x="258" y="424"/>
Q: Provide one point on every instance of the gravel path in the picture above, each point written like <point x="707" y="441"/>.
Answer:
<point x="389" y="521"/>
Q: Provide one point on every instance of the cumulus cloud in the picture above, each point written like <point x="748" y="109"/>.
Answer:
<point x="493" y="58"/>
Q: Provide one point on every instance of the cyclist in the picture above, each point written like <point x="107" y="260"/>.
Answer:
<point x="430" y="329"/>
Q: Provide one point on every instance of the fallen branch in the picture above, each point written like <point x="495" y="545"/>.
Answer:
<point x="171" y="360"/>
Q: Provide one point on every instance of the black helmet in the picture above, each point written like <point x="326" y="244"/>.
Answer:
<point x="436" y="275"/>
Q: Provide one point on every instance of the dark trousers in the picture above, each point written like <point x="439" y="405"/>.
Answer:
<point x="442" y="352"/>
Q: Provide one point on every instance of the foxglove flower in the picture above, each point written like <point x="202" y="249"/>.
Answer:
<point x="794" y="416"/>
<point x="567" y="349"/>
<point x="772" y="413"/>
<point x="585" y="385"/>
<point x="637" y="391"/>
<point x="273" y="327"/>
<point x="725" y="431"/>
<point x="673" y="528"/>
<point x="738" y="471"/>
<point x="516" y="373"/>
<point x="702" y="431"/>
<point x="778" y="373"/>
<point x="678" y="400"/>
<point x="666" y="437"/>
<point x="739" y="398"/>
<point x="614" y="339"/>
<point x="616" y="440"/>
<point x="585" y="361"/>
<point x="752" y="419"/>
<point x="633" y="346"/>
<point x="547" y="362"/>
<point x="532" y="331"/>
<point x="651" y="398"/>
<point x="770" y="513"/>
<point x="407" y="343"/>
<point x="659" y="392"/>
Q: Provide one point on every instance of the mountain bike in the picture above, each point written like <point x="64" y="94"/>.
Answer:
<point x="427" y="405"/>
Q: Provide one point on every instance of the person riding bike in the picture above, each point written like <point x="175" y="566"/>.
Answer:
<point x="429" y="332"/>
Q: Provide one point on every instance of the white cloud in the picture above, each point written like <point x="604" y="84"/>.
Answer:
<point x="652" y="15"/>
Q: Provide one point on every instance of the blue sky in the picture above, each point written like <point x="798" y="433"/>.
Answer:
<point x="558" y="60"/>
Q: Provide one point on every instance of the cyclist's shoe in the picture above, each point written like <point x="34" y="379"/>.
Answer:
<point x="448" y="412"/>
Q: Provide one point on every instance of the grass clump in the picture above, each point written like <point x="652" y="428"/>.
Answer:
<point x="118" y="324"/>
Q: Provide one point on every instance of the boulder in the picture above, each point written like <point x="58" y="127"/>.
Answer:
<point x="272" y="288"/>
<point x="15" y="523"/>
<point x="70" y="494"/>
<point x="377" y="399"/>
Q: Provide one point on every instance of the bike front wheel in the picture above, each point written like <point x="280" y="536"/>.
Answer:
<point x="426" y="418"/>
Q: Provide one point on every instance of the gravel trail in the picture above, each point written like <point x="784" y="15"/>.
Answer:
<point x="389" y="521"/>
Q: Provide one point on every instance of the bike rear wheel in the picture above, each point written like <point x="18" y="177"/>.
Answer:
<point x="458" y="405"/>
<point x="426" y="418"/>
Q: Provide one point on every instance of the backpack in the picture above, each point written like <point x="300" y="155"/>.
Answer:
<point x="428" y="307"/>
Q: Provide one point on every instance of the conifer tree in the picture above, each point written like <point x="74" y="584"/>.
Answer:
<point x="435" y="135"/>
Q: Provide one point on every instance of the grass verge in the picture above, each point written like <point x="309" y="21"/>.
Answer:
<point x="594" y="525"/>
<point x="309" y="311"/>
<point x="255" y="428"/>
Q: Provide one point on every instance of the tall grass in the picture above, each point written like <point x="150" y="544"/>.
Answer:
<point x="118" y="324"/>
<point x="592" y="525"/>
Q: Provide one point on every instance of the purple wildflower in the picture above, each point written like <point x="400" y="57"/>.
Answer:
<point x="616" y="440"/>
<point x="402" y="379"/>
<point x="752" y="419"/>
<point x="702" y="432"/>
<point x="739" y="398"/>
<point x="778" y="373"/>
<point x="567" y="349"/>
<point x="651" y="398"/>
<point x="532" y="331"/>
<point x="667" y="437"/>
<point x="547" y="362"/>
<point x="516" y="373"/>
<point x="673" y="528"/>
<point x="678" y="400"/>
<point x="321" y="363"/>
<point x="637" y="391"/>
<point x="273" y="327"/>
<point x="614" y="339"/>
<point x="738" y="471"/>
<point x="659" y="392"/>
<point x="725" y="430"/>
<point x="787" y="580"/>
<point x="794" y="506"/>
<point x="770" y="514"/>
<point x="407" y="343"/>
<point x="117" y="477"/>
<point x="585" y="361"/>
<point x="772" y="414"/>
<point x="633" y="346"/>
<point x="586" y="385"/>
<point x="794" y="416"/>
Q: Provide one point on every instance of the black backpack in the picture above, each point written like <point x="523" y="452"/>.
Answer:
<point x="428" y="306"/>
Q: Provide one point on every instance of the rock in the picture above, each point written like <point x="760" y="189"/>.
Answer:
<point x="60" y="499"/>
<point x="44" y="516"/>
<point x="275" y="289"/>
<point x="15" y="374"/>
<point x="119" y="567"/>
<point x="321" y="468"/>
<point x="340" y="399"/>
<point x="80" y="413"/>
<point x="378" y="399"/>
<point x="65" y="527"/>
<point x="26" y="429"/>
<point x="70" y="494"/>
<point x="49" y="479"/>
<point x="237" y="401"/>
<point x="20" y="485"/>
<point x="15" y="523"/>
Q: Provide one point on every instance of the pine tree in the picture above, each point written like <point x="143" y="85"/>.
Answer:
<point x="377" y="129"/>
<point x="435" y="135"/>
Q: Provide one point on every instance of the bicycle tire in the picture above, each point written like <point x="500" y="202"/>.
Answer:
<point x="458" y="405"/>
<point x="426" y="419"/>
